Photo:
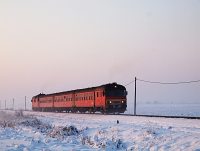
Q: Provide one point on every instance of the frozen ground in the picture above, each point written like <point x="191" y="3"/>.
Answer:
<point x="168" y="109"/>
<point x="73" y="132"/>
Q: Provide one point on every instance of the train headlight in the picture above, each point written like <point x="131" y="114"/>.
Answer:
<point x="110" y="101"/>
<point x="122" y="101"/>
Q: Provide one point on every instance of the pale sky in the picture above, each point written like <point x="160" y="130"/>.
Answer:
<point x="58" y="45"/>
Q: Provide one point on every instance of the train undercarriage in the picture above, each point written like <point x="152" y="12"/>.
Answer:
<point x="80" y="109"/>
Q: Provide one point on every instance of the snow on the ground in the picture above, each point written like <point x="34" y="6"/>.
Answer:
<point x="87" y="132"/>
<point x="168" y="109"/>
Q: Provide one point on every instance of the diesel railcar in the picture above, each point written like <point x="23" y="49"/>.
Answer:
<point x="107" y="98"/>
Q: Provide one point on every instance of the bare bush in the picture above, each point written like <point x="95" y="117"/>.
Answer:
<point x="19" y="113"/>
<point x="37" y="124"/>
<point x="61" y="132"/>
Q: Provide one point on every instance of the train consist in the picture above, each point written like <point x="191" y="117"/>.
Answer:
<point x="108" y="98"/>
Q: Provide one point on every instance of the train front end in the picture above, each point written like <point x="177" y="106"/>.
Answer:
<point x="115" y="97"/>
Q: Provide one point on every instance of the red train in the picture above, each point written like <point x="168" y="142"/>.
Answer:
<point x="108" y="98"/>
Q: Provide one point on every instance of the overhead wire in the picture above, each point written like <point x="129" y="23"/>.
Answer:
<point x="129" y="83"/>
<point x="158" y="82"/>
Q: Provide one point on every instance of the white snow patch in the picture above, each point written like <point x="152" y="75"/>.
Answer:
<point x="65" y="131"/>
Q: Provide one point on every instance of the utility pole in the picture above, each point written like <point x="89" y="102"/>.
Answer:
<point x="5" y="104"/>
<point x="135" y="98"/>
<point x="13" y="103"/>
<point x="25" y="103"/>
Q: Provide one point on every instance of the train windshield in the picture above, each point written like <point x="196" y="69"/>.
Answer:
<point x="116" y="93"/>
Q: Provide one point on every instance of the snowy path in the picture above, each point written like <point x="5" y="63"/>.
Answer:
<point x="51" y="131"/>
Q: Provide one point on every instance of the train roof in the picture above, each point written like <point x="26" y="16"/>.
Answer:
<point x="84" y="89"/>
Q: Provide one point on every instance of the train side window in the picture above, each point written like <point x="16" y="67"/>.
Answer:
<point x="97" y="94"/>
<point x="103" y="93"/>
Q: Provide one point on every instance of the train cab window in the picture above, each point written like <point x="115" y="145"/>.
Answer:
<point x="97" y="94"/>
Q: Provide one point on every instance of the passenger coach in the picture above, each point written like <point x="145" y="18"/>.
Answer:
<point x="108" y="98"/>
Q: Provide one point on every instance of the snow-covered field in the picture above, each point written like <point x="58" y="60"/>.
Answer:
<point x="168" y="109"/>
<point x="73" y="132"/>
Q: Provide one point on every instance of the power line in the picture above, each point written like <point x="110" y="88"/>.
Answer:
<point x="157" y="82"/>
<point x="129" y="83"/>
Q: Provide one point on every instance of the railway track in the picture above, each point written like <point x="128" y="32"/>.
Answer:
<point x="142" y="115"/>
<point x="163" y="116"/>
<point x="138" y="115"/>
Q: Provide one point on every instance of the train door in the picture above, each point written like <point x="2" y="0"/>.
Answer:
<point x="99" y="99"/>
<point x="73" y="100"/>
<point x="38" y="102"/>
